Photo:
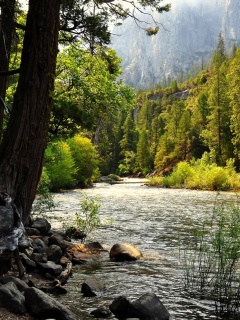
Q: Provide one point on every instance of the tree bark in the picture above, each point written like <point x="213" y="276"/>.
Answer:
<point x="6" y="33"/>
<point x="24" y="142"/>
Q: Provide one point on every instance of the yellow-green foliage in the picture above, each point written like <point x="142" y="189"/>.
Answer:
<point x="200" y="174"/>
<point x="85" y="158"/>
<point x="72" y="163"/>
<point x="59" y="165"/>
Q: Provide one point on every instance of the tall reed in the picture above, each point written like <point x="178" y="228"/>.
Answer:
<point x="212" y="260"/>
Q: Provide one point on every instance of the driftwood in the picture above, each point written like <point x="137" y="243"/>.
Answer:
<point x="66" y="273"/>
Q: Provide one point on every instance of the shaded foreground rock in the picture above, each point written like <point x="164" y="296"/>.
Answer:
<point x="125" y="252"/>
<point x="147" y="307"/>
<point x="11" y="298"/>
<point x="40" y="304"/>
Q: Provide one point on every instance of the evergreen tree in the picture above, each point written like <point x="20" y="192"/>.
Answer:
<point x="234" y="80"/>
<point x="129" y="140"/>
<point x="217" y="135"/>
<point x="143" y="154"/>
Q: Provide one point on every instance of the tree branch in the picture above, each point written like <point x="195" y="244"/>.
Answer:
<point x="9" y="73"/>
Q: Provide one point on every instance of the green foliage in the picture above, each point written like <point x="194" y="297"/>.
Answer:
<point x="85" y="158"/>
<point x="212" y="258"/>
<point x="201" y="174"/>
<point x="88" y="219"/>
<point x="71" y="163"/>
<point x="128" y="164"/>
<point x="87" y="92"/>
<point x="206" y="120"/>
<point x="60" y="166"/>
<point x="143" y="153"/>
<point x="174" y="86"/>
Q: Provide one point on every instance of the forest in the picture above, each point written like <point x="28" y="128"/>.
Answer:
<point x="186" y="134"/>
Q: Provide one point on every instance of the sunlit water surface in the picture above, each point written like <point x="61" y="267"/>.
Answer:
<point x="157" y="221"/>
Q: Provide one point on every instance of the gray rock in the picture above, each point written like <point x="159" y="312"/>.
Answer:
<point x="39" y="246"/>
<point x="42" y="225"/>
<point x="29" y="264"/>
<point x="147" y="307"/>
<point x="58" y="240"/>
<point x="39" y="257"/>
<point x="92" y="286"/>
<point x="11" y="298"/>
<point x="54" y="253"/>
<point x="40" y="305"/>
<point x="32" y="231"/>
<point x="21" y="285"/>
<point x="50" y="267"/>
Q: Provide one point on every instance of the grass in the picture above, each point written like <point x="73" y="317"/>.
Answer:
<point x="212" y="259"/>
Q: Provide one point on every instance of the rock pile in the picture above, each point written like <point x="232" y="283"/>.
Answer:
<point x="48" y="264"/>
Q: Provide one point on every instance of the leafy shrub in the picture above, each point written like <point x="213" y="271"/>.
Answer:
<point x="201" y="174"/>
<point x="87" y="219"/>
<point x="86" y="160"/>
<point x="60" y="166"/>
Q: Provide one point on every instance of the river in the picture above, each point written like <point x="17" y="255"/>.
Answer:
<point x="155" y="220"/>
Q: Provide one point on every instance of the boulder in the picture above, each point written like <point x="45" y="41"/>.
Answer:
<point x="50" y="267"/>
<point x="11" y="298"/>
<point x="39" y="257"/>
<point x="125" y="252"/>
<point x="92" y="286"/>
<point x="21" y="285"/>
<point x="147" y="307"/>
<point x="41" y="305"/>
<point x="29" y="264"/>
<point x="39" y="246"/>
<point x="32" y="231"/>
<point x="119" y="307"/>
<point x="54" y="253"/>
<point x="42" y="225"/>
<point x="58" y="240"/>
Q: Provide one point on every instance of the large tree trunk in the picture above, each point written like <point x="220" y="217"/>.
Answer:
<point x="22" y="150"/>
<point x="6" y="34"/>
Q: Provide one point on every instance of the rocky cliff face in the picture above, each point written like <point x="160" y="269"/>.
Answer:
<point x="188" y="35"/>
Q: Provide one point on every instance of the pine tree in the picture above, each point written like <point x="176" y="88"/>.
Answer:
<point x="234" y="80"/>
<point x="217" y="135"/>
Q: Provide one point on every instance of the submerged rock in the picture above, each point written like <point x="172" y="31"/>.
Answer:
<point x="92" y="286"/>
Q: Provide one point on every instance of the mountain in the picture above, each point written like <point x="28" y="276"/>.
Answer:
<point x="188" y="35"/>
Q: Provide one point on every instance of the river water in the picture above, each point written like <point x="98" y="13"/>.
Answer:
<point x="157" y="221"/>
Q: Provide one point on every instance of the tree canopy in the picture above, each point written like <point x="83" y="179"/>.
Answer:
<point x="25" y="138"/>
